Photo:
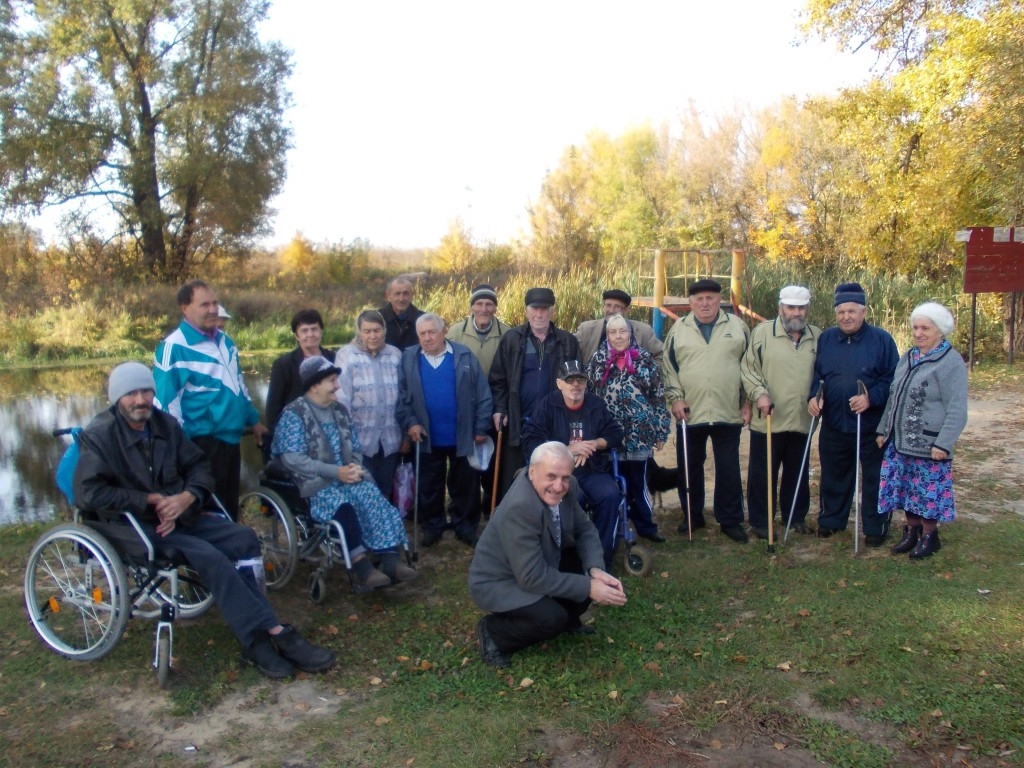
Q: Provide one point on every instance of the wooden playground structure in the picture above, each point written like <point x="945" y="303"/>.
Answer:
<point x="688" y="265"/>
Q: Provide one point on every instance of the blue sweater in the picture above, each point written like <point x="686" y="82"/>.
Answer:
<point x="439" y="393"/>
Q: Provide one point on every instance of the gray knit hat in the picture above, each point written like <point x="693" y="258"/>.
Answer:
<point x="128" y="377"/>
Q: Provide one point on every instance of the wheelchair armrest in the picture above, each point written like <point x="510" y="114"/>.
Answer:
<point x="123" y="530"/>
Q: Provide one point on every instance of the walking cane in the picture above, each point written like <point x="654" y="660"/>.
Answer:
<point x="771" y="495"/>
<point x="686" y="477"/>
<point x="803" y="462"/>
<point x="861" y="390"/>
<point x="416" y="510"/>
<point x="497" y="473"/>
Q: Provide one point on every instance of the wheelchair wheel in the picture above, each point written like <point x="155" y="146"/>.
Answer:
<point x="638" y="560"/>
<point x="194" y="599"/>
<point x="76" y="592"/>
<point x="317" y="587"/>
<point x="273" y="522"/>
<point x="163" y="661"/>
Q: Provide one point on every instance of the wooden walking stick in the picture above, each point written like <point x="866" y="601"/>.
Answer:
<point x="497" y="473"/>
<point x="861" y="390"/>
<point x="803" y="463"/>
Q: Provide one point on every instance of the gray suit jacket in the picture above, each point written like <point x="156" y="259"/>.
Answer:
<point x="590" y="332"/>
<point x="516" y="560"/>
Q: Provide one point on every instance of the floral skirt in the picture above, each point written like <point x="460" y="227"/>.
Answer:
<point x="922" y="487"/>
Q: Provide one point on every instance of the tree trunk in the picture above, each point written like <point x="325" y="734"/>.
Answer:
<point x="1017" y="324"/>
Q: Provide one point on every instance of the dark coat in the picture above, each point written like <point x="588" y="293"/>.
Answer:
<point x="112" y="471"/>
<point x="550" y="421"/>
<point x="473" y="397"/>
<point x="869" y="355"/>
<point x="515" y="562"/>
<point x="400" y="333"/>
<point x="506" y="371"/>
<point x="285" y="383"/>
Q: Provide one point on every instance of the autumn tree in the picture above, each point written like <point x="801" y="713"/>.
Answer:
<point x="456" y="252"/>
<point x="168" y="114"/>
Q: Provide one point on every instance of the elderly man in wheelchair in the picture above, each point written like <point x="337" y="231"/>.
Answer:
<point x="136" y="458"/>
<point x="580" y="420"/>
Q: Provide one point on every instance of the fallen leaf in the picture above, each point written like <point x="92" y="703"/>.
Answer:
<point x="353" y="617"/>
<point x="331" y="629"/>
<point x="784" y="666"/>
<point x="657" y="606"/>
<point x="779" y="745"/>
<point x="721" y="702"/>
<point x="803" y="612"/>
<point x="613" y="695"/>
<point x="302" y="706"/>
<point x="659" y="646"/>
<point x="716" y="744"/>
<point x="403" y="658"/>
<point x="426" y="665"/>
<point x="936" y="713"/>
<point x="740" y="658"/>
<point x="375" y="681"/>
<point x="526" y="682"/>
<point x="652" y="666"/>
<point x="382" y="720"/>
<point x="664" y="574"/>
<point x="908" y="649"/>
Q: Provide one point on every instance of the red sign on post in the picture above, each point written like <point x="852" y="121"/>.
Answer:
<point x="995" y="260"/>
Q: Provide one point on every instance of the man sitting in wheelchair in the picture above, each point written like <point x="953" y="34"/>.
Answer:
<point x="316" y="443"/>
<point x="580" y="420"/>
<point x="136" y="458"/>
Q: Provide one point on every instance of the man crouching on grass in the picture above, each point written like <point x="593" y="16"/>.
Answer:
<point x="539" y="563"/>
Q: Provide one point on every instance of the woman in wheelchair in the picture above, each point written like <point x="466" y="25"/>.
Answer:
<point x="136" y="458"/>
<point x="315" y="441"/>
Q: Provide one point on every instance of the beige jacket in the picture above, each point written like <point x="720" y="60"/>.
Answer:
<point x="464" y="333"/>
<point x="774" y="366"/>
<point x="706" y="375"/>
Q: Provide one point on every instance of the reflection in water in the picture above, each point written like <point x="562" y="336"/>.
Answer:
<point x="35" y="402"/>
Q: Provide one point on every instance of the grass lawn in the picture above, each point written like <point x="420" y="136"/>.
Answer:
<point x="724" y="656"/>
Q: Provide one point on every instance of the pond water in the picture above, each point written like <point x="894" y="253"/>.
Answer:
<point x="35" y="402"/>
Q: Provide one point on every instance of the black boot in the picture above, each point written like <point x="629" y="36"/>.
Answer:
<point x="927" y="546"/>
<point x="911" y="535"/>
<point x="302" y="653"/>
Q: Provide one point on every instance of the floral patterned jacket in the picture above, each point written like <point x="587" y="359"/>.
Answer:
<point x="637" y="399"/>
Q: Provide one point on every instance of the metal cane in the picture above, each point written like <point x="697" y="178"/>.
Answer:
<point x="861" y="390"/>
<point x="771" y="495"/>
<point x="803" y="462"/>
<point x="416" y="510"/>
<point x="686" y="477"/>
<point x="497" y="473"/>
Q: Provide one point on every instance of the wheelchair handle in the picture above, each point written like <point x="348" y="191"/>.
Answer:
<point x="63" y="431"/>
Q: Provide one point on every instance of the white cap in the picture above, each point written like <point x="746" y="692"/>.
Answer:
<point x="795" y="296"/>
<point x="222" y="313"/>
<point x="480" y="458"/>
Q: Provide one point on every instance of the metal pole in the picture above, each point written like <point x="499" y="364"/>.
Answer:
<point x="974" y="328"/>
<point x="659" y="291"/>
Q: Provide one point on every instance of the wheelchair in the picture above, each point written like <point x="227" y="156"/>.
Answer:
<point x="290" y="534"/>
<point x="85" y="579"/>
<point x="637" y="559"/>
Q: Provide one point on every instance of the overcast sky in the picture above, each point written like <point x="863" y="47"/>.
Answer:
<point x="409" y="114"/>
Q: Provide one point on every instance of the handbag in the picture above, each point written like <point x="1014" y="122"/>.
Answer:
<point x="404" y="488"/>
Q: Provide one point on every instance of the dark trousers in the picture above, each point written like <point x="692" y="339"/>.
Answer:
<point x="512" y="460"/>
<point x="226" y="463"/>
<point x="787" y="453"/>
<point x="542" y="620"/>
<point x="211" y="545"/>
<point x="725" y="442"/>
<point x="641" y="509"/>
<point x="838" y="455"/>
<point x="440" y="467"/>
<point x="600" y="496"/>
<point x="382" y="469"/>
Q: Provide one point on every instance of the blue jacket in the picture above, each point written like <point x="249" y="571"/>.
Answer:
<point x="869" y="355"/>
<point x="473" y="397"/>
<point x="199" y="382"/>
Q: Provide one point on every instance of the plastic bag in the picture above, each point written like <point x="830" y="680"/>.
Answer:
<point x="65" y="474"/>
<point x="404" y="488"/>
